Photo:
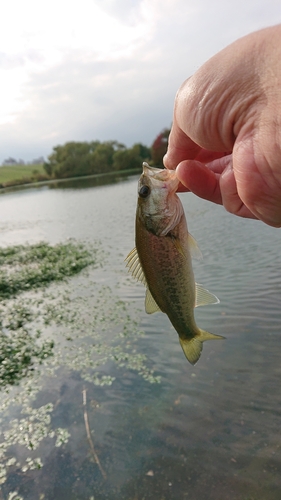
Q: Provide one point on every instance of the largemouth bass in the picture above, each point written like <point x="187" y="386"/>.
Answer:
<point x="162" y="259"/>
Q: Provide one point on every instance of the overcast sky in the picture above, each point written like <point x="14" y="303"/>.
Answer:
<point x="106" y="69"/>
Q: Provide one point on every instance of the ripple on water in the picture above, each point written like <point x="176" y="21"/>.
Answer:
<point x="207" y="431"/>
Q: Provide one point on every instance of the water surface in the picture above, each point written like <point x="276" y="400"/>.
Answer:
<point x="206" y="432"/>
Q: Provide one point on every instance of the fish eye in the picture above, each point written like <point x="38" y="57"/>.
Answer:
<point x="144" y="191"/>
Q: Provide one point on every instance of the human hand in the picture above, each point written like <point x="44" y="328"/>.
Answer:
<point x="226" y="136"/>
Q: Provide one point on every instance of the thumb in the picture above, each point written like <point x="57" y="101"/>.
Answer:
<point x="257" y="173"/>
<point x="229" y="194"/>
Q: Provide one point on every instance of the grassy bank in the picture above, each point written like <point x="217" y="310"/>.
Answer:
<point x="10" y="176"/>
<point x="13" y="175"/>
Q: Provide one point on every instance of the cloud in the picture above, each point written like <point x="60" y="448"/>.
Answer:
<point x="105" y="69"/>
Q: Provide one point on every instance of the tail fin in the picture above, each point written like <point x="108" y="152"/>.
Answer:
<point x="192" y="347"/>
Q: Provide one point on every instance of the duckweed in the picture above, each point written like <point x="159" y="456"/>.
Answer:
<point x="78" y="325"/>
<point x="35" y="266"/>
<point x="17" y="354"/>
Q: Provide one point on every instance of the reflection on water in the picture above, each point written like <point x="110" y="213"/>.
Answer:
<point x="90" y="181"/>
<point x="84" y="182"/>
<point x="209" y="431"/>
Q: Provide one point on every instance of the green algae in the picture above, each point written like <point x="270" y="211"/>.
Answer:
<point x="35" y="266"/>
<point x="64" y="322"/>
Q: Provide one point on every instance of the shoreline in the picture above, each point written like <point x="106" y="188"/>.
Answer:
<point x="45" y="182"/>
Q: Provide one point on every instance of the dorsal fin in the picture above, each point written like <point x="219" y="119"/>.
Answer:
<point x="134" y="266"/>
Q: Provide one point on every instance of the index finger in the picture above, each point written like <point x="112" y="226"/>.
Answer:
<point x="180" y="147"/>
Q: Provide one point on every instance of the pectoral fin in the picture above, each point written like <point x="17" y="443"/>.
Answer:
<point x="194" y="248"/>
<point x="150" y="304"/>
<point x="203" y="297"/>
<point x="178" y="245"/>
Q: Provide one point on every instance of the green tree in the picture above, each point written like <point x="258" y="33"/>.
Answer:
<point x="81" y="158"/>
<point x="85" y="158"/>
<point x="131" y="158"/>
<point x="143" y="151"/>
<point x="102" y="158"/>
<point x="71" y="159"/>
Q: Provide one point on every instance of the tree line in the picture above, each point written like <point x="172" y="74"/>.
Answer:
<point x="75" y="159"/>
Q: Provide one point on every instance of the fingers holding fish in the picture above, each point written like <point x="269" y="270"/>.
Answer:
<point x="196" y="177"/>
<point x="214" y="182"/>
<point x="176" y="154"/>
<point x="188" y="150"/>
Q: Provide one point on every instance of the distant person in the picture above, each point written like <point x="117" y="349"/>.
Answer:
<point x="226" y="136"/>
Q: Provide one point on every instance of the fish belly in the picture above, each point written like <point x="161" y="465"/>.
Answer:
<point x="170" y="279"/>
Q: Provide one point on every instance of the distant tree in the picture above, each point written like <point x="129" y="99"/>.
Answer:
<point x="48" y="168"/>
<point x="9" y="161"/>
<point x="102" y="157"/>
<point x="81" y="158"/>
<point x="70" y="159"/>
<point x="131" y="158"/>
<point x="159" y="147"/>
<point x="126" y="159"/>
<point x="37" y="161"/>
<point x="144" y="151"/>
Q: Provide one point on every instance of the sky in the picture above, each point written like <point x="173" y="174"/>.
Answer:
<point x="106" y="69"/>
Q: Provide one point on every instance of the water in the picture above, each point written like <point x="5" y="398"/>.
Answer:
<point x="206" y="432"/>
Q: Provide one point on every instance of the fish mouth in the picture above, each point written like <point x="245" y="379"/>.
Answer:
<point x="151" y="171"/>
<point x="161" y="174"/>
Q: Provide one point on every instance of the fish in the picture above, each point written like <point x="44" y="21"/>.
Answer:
<point x="162" y="259"/>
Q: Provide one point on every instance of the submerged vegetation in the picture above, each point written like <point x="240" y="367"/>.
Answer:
<point x="27" y="268"/>
<point x="52" y="324"/>
<point x="35" y="266"/>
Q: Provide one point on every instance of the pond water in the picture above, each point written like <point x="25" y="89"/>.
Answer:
<point x="119" y="412"/>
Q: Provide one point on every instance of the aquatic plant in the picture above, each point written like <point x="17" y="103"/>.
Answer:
<point x="35" y="266"/>
<point x="77" y="325"/>
<point x="17" y="354"/>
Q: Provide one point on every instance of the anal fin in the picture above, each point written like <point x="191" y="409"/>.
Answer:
<point x="203" y="297"/>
